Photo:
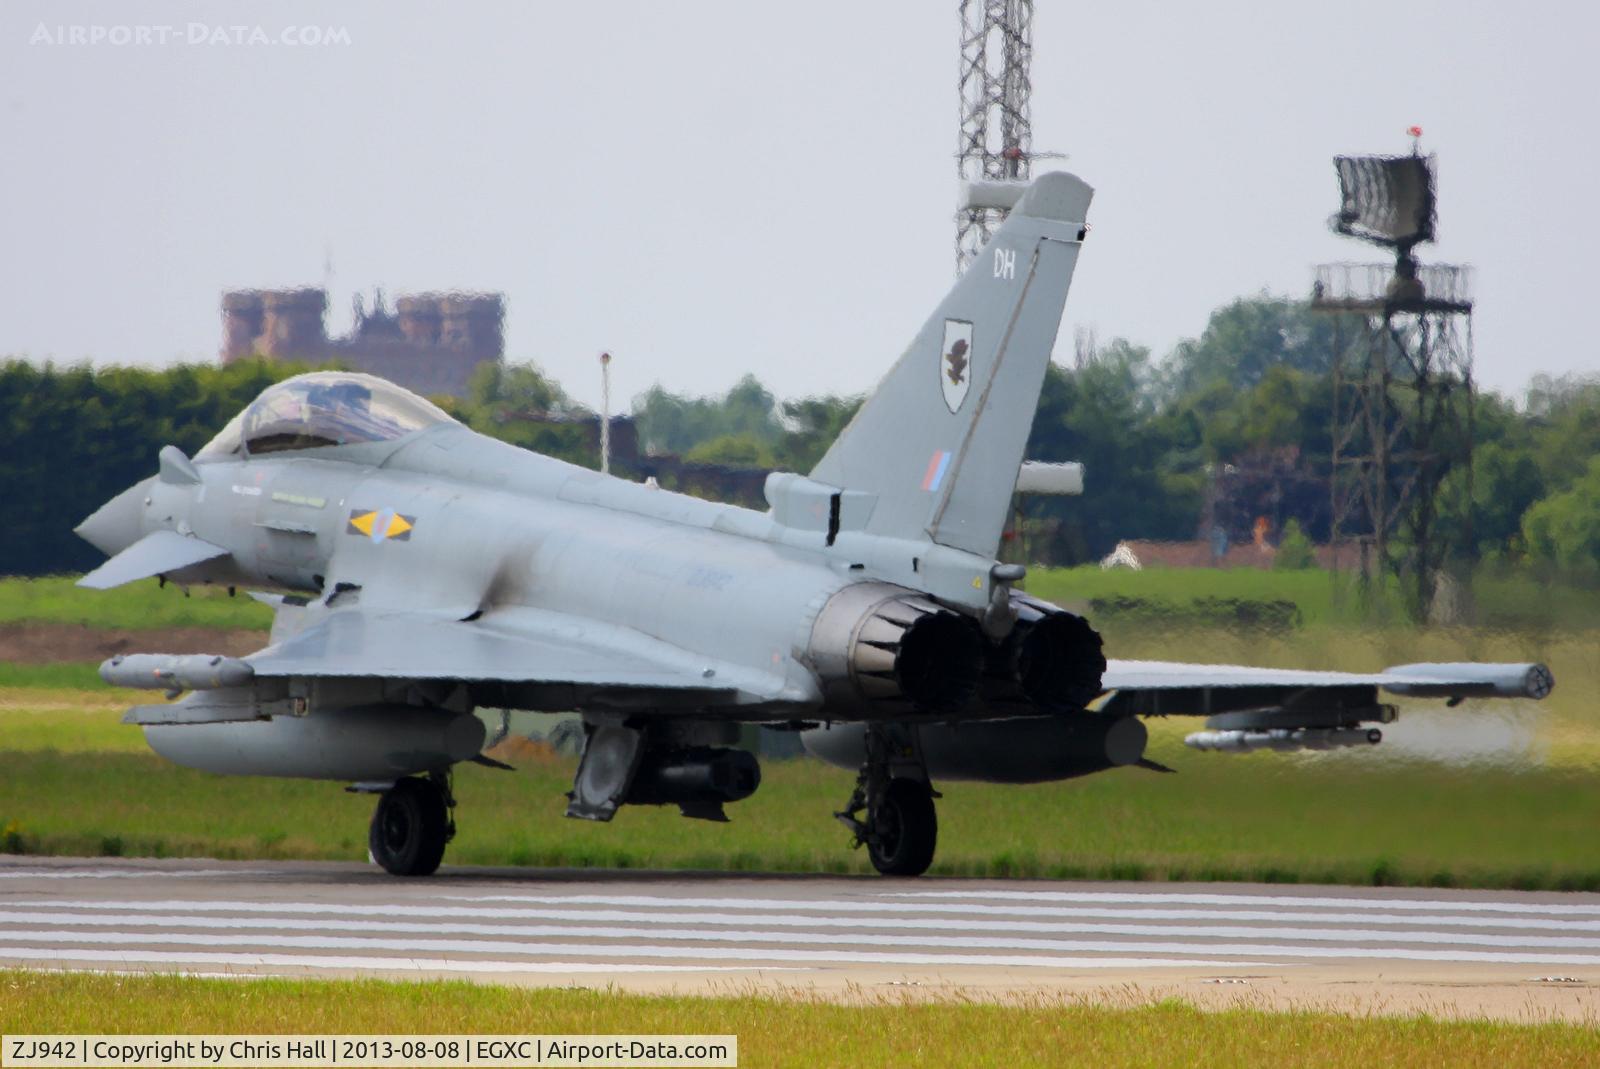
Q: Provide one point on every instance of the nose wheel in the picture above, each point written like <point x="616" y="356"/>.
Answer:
<point x="411" y="826"/>
<point x="891" y="812"/>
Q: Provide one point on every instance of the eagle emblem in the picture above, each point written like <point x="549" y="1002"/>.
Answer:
<point x="955" y="365"/>
<point x="956" y="358"/>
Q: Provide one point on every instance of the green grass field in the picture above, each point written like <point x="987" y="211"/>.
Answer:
<point x="66" y="675"/>
<point x="1501" y="602"/>
<point x="137" y="606"/>
<point x="800" y="1032"/>
<point x="78" y="782"/>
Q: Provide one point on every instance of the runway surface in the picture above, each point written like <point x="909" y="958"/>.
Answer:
<point x="1505" y="953"/>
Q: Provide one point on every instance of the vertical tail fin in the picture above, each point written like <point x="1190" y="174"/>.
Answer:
<point x="940" y="442"/>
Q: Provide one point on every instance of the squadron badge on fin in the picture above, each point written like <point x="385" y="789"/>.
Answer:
<point x="955" y="366"/>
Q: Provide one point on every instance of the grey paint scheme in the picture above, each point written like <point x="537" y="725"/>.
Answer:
<point x="1013" y="296"/>
<point x="158" y="553"/>
<point x="325" y="744"/>
<point x="1420" y="680"/>
<point x="571" y="589"/>
<point x="1024" y="749"/>
<point x="578" y="577"/>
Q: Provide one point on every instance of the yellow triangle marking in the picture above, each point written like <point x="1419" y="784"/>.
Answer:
<point x="363" y="522"/>
<point x="397" y="526"/>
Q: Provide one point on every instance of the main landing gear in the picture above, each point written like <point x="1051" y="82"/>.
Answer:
<point x="891" y="812"/>
<point x="412" y="824"/>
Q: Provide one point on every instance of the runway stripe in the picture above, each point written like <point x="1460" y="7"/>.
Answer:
<point x="876" y="919"/>
<point x="650" y="928"/>
<point x="964" y="909"/>
<point x="360" y="964"/>
<point x="530" y="949"/>
<point x="119" y="874"/>
<point x="1304" y="901"/>
<point x="651" y="950"/>
<point x="1514" y="912"/>
<point x="985" y="903"/>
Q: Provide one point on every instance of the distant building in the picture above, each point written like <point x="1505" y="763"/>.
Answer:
<point x="431" y="343"/>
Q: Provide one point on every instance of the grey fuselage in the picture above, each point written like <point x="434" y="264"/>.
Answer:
<point x="489" y="526"/>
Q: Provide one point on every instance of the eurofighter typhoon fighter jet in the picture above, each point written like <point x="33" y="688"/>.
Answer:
<point x="422" y="571"/>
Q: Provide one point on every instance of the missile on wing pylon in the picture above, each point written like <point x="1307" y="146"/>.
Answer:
<point x="1284" y="740"/>
<point x="176" y="672"/>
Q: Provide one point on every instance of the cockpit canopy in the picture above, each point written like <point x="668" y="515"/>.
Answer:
<point x="324" y="408"/>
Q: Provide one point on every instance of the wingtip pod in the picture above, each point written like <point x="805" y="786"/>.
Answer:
<point x="1541" y="681"/>
<point x="1059" y="196"/>
<point x="1533" y="681"/>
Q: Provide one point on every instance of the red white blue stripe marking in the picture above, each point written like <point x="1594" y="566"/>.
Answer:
<point x="937" y="466"/>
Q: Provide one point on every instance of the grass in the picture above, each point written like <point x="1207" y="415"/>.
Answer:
<point x="60" y="675"/>
<point x="1315" y="592"/>
<point x="1521" y="602"/>
<point x="801" y="1031"/>
<point x="78" y="782"/>
<point x="68" y="721"/>
<point x="138" y="606"/>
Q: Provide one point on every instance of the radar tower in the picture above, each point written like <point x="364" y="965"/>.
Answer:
<point x="1402" y="377"/>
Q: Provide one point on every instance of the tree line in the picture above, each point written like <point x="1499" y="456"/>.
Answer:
<point x="1170" y="445"/>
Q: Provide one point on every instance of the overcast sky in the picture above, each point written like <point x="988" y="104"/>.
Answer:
<point x="708" y="189"/>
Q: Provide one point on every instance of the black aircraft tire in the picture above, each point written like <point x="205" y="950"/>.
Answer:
<point x="409" y="828"/>
<point x="905" y="829"/>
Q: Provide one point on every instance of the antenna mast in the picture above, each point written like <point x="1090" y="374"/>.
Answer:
<point x="996" y="124"/>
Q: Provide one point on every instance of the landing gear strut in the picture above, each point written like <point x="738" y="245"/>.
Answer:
<point x="412" y="824"/>
<point x="891" y="812"/>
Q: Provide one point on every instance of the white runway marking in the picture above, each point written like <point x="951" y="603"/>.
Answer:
<point x="1299" y="901"/>
<point x="874" y="920"/>
<point x="904" y="902"/>
<point x="209" y="918"/>
<point x="124" y="874"/>
<point x="649" y="950"/>
<point x="650" y="928"/>
<point x="57" y="956"/>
